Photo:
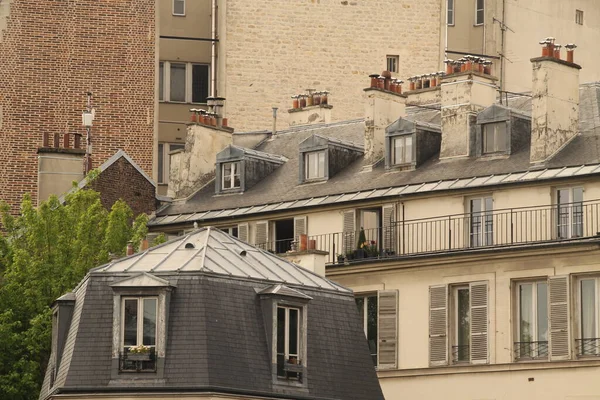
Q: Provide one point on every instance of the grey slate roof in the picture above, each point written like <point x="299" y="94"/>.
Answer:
<point x="281" y="189"/>
<point x="216" y="333"/>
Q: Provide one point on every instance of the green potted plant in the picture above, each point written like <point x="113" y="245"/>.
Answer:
<point x="139" y="353"/>
<point x="362" y="244"/>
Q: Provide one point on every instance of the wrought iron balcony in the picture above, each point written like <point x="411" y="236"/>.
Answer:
<point x="491" y="229"/>
<point x="588" y="347"/>
<point x="137" y="362"/>
<point x="531" y="350"/>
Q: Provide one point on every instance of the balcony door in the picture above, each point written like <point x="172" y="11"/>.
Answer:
<point x="569" y="208"/>
<point x="481" y="222"/>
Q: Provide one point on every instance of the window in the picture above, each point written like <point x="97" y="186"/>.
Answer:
<point x="230" y="177"/>
<point x="479" y="12"/>
<point x="569" y="213"/>
<point x="179" y="7"/>
<point x="164" y="160"/>
<point x="461" y="345"/>
<point x="450" y="15"/>
<point x="481" y="222"/>
<point x="494" y="138"/>
<point x="588" y="343"/>
<point x="579" y="17"/>
<point x="532" y="320"/>
<point x="367" y="309"/>
<point x="402" y="150"/>
<point x="139" y="329"/>
<point x="183" y="82"/>
<point x="232" y="230"/>
<point x="392" y="63"/>
<point x="314" y="165"/>
<point x="288" y="342"/>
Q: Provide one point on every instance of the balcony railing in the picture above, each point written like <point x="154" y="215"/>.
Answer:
<point x="588" y="347"/>
<point x="137" y="362"/>
<point x="497" y="228"/>
<point x="531" y="350"/>
<point x="461" y="354"/>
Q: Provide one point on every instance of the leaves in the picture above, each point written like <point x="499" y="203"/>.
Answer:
<point x="44" y="253"/>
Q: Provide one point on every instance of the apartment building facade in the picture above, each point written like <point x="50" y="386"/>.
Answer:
<point x="468" y="231"/>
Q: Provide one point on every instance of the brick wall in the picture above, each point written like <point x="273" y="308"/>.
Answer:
<point x="51" y="54"/>
<point x="121" y="180"/>
<point x="280" y="48"/>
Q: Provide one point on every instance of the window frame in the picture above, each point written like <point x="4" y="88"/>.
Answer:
<point x="236" y="167"/>
<point x="365" y="321"/>
<point x="498" y="138"/>
<point x="571" y="217"/>
<point x="393" y="155"/>
<point x="477" y="11"/>
<point x="188" y="84"/>
<point x="535" y="352"/>
<point x="306" y="161"/>
<point x="173" y="8"/>
<point x="164" y="159"/>
<point x="450" y="11"/>
<point x="579" y="316"/>
<point x="579" y="17"/>
<point x="140" y="321"/>
<point x="393" y="59"/>
<point x="482" y="236"/>
<point x="454" y="322"/>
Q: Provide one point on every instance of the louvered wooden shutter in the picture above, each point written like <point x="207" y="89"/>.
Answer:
<point x="478" y="292"/>
<point x="243" y="232"/>
<point x="560" y="343"/>
<point x="438" y="325"/>
<point x="389" y="228"/>
<point x="262" y="235"/>
<point x="300" y="228"/>
<point x="349" y="234"/>
<point x="387" y="329"/>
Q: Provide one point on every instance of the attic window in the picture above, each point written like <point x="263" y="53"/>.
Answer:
<point x="230" y="175"/>
<point x="402" y="150"/>
<point x="314" y="165"/>
<point x="494" y="138"/>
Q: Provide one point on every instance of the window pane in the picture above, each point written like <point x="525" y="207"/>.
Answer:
<point x="161" y="156"/>
<point x="176" y="146"/>
<point x="130" y="319"/>
<point x="280" y="330"/>
<point x="227" y="176"/>
<point x="372" y="326"/>
<point x="488" y="138"/>
<point x="476" y="222"/>
<point x="525" y="312"/>
<point x="293" y="346"/>
<point x="234" y="232"/>
<point x="177" y="82"/>
<point x="149" y="322"/>
<point x="500" y="136"/>
<point x="179" y="7"/>
<point x="398" y="151"/>
<point x="161" y="80"/>
<point x="542" y="312"/>
<point x="408" y="149"/>
<point x="588" y="309"/>
<point x="360" y="304"/>
<point x="563" y="199"/>
<point x="314" y="165"/>
<point x="463" y="324"/>
<point x="321" y="170"/>
<point x="199" y="83"/>
<point x="236" y="174"/>
<point x="450" y="17"/>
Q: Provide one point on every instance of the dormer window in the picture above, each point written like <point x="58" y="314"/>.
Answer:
<point x="138" y="340"/>
<point x="288" y="341"/>
<point x="494" y="138"/>
<point x="402" y="150"/>
<point x="314" y="165"/>
<point x="230" y="175"/>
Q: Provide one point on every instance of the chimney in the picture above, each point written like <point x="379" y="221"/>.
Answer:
<point x="554" y="103"/>
<point x="464" y="93"/>
<point x="310" y="108"/>
<point x="129" y="248"/>
<point x="382" y="107"/>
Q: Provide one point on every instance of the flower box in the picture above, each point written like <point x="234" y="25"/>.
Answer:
<point x="138" y="356"/>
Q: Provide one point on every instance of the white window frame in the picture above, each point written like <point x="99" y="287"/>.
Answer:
<point x="166" y="160"/>
<point x="404" y="159"/>
<point x="392" y="60"/>
<point x="571" y="214"/>
<point x="173" y="8"/>
<point x="499" y="137"/>
<point x="477" y="10"/>
<point x="365" y="321"/>
<point x="300" y="338"/>
<point x="450" y="6"/>
<point x="534" y="305"/>
<point x="579" y="17"/>
<point x="454" y="321"/>
<point x="320" y="173"/>
<point x="596" y="303"/>
<point x="235" y="171"/>
<point x="482" y="239"/>
<point x="166" y="95"/>
<point x="140" y="321"/>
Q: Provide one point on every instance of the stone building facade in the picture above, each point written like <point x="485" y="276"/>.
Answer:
<point x="52" y="54"/>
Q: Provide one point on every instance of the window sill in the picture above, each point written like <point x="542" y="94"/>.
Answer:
<point x="315" y="180"/>
<point x="180" y="102"/>
<point x="178" y="15"/>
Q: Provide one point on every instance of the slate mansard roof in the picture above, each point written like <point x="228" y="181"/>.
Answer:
<point x="281" y="190"/>
<point x="216" y="334"/>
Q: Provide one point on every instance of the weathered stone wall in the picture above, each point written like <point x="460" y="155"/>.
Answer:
<point x="51" y="54"/>
<point x="278" y="48"/>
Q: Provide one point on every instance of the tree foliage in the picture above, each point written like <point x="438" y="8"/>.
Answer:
<point x="44" y="253"/>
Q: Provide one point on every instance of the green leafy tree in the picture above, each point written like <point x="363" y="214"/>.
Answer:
<point x="44" y="253"/>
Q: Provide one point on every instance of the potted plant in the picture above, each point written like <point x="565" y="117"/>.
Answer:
<point x="139" y="353"/>
<point x="362" y="243"/>
<point x="341" y="258"/>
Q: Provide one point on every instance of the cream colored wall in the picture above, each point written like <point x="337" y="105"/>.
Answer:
<point x="56" y="173"/>
<point x="271" y="53"/>
<point x="464" y="35"/>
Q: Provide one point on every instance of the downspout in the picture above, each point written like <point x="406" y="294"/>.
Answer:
<point x="213" y="52"/>
<point x="503" y="30"/>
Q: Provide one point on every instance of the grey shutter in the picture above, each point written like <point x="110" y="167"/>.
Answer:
<point x="262" y="235"/>
<point x="387" y="329"/>
<point x="243" y="232"/>
<point x="389" y="228"/>
<point x="478" y="293"/>
<point x="300" y="227"/>
<point x="560" y="343"/>
<point x="349" y="234"/>
<point x="438" y="325"/>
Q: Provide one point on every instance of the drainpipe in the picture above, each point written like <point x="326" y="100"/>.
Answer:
<point x="213" y="52"/>
<point x="503" y="30"/>
<point x="274" y="120"/>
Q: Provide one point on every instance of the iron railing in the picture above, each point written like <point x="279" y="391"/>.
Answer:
<point x="588" y="347"/>
<point x="461" y="354"/>
<point x="531" y="350"/>
<point x="497" y="228"/>
<point x="135" y="362"/>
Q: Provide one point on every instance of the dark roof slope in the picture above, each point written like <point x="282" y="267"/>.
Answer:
<point x="283" y="185"/>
